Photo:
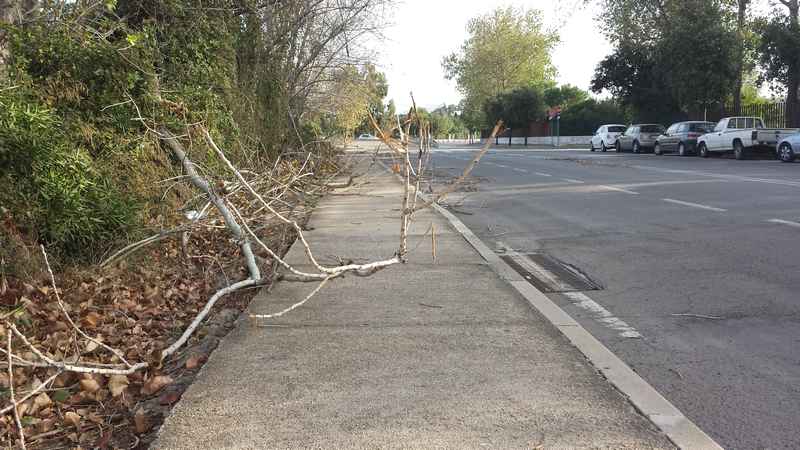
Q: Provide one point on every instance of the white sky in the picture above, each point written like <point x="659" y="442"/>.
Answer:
<point x="424" y="31"/>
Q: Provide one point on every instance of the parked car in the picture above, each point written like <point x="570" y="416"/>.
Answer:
<point x="741" y="135"/>
<point x="367" y="137"/>
<point x="682" y="137"/>
<point x="788" y="148"/>
<point x="638" y="137"/>
<point x="605" y="137"/>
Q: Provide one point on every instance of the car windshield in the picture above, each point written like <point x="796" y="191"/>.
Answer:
<point x="701" y="127"/>
<point x="652" y="129"/>
<point x="616" y="129"/>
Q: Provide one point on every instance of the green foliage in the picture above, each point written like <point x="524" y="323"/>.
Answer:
<point x="658" y="67"/>
<point x="506" y="49"/>
<point x="517" y="108"/>
<point x="779" y="48"/>
<point x="446" y="121"/>
<point x="565" y="96"/>
<point x="582" y="119"/>
<point x="56" y="191"/>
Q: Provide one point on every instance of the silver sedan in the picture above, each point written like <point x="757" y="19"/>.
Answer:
<point x="788" y="147"/>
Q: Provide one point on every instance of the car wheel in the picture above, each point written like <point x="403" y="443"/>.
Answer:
<point x="738" y="150"/>
<point x="591" y="146"/>
<point x="618" y="147"/>
<point x="636" y="148"/>
<point x="703" y="150"/>
<point x="682" y="149"/>
<point x="785" y="153"/>
<point x="657" y="149"/>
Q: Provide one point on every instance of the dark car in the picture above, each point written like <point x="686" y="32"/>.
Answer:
<point x="681" y="138"/>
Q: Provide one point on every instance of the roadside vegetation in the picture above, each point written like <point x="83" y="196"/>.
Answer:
<point x="671" y="61"/>
<point x="158" y="156"/>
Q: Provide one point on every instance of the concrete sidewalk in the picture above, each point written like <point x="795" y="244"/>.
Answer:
<point x="430" y="354"/>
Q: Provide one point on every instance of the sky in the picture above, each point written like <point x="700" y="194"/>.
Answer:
<point x="422" y="32"/>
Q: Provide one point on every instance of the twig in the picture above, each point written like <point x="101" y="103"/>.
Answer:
<point x="61" y="305"/>
<point x="11" y="390"/>
<point x="699" y="316"/>
<point x="29" y="394"/>
<point x="296" y="305"/>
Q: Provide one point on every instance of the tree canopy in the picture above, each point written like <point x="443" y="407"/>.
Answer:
<point x="508" y="48"/>
<point x="660" y="69"/>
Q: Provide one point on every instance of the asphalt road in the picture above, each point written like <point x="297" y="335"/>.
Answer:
<point x="699" y="257"/>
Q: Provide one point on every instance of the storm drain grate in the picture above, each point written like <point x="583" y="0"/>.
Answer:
<point x="548" y="274"/>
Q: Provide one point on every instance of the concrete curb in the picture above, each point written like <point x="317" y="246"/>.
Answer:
<point x="664" y="415"/>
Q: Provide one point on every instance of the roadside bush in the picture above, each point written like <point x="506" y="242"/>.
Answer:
<point x="583" y="118"/>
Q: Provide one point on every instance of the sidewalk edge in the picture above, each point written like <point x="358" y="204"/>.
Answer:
<point x="663" y="414"/>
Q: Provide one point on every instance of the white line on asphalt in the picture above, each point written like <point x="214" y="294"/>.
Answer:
<point x="722" y="176"/>
<point x="602" y="315"/>
<point x="785" y="222"/>
<point x="571" y="180"/>
<point x="614" y="188"/>
<point x="542" y="174"/>
<point x="515" y="169"/>
<point x="694" y="205"/>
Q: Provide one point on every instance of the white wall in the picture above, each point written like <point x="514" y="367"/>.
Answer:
<point x="546" y="140"/>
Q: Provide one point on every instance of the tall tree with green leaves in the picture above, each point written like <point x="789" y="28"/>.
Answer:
<point x="517" y="109"/>
<point x="507" y="48"/>
<point x="779" y="55"/>
<point x="659" y="69"/>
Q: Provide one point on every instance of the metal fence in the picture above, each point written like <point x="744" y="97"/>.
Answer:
<point x="774" y="114"/>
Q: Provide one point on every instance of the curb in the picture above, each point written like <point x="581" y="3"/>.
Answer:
<point x="663" y="414"/>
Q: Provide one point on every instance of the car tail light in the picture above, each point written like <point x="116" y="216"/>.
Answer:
<point x="694" y="135"/>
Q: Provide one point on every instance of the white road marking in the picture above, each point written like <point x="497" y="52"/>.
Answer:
<point x="614" y="188"/>
<point x="535" y="269"/>
<point x="572" y="180"/>
<point x="602" y="315"/>
<point x="722" y="176"/>
<point x="785" y="222"/>
<point x="694" y="205"/>
<point x="515" y="169"/>
<point x="542" y="174"/>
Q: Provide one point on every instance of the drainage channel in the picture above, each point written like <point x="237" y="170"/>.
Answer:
<point x="548" y="274"/>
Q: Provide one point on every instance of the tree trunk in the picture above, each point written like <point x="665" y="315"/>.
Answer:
<point x="793" y="81"/>
<point x="740" y="24"/>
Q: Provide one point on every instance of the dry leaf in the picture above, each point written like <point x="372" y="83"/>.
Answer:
<point x="155" y="384"/>
<point x="169" y="398"/>
<point x="141" y="422"/>
<point x="92" y="319"/>
<point x="117" y="384"/>
<point x="42" y="401"/>
<point x="90" y="385"/>
<point x="194" y="361"/>
<point x="72" y="418"/>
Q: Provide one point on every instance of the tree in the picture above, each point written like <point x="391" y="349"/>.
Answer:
<point x="661" y="70"/>
<point x="583" y="118"/>
<point x="565" y="95"/>
<point x="517" y="109"/>
<point x="779" y="55"/>
<point x="700" y="69"/>
<point x="506" y="49"/>
<point x="741" y="18"/>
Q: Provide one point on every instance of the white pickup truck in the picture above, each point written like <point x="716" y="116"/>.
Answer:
<point x="741" y="135"/>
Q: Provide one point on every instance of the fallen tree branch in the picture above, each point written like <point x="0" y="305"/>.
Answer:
<point x="203" y="185"/>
